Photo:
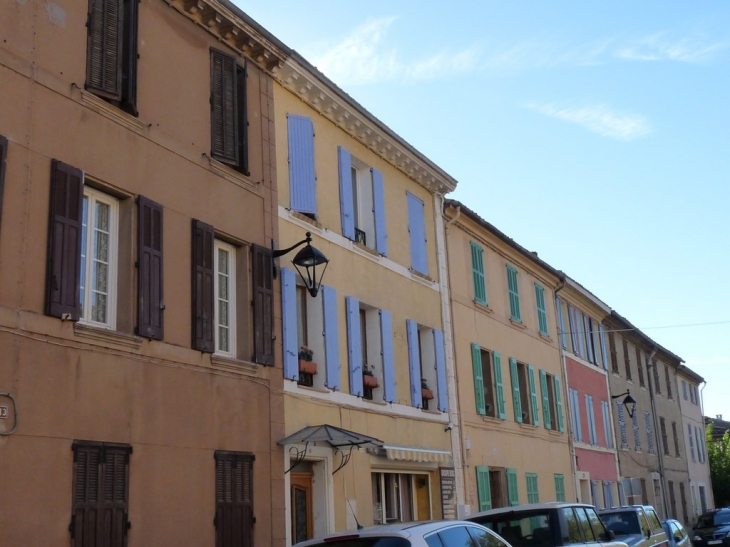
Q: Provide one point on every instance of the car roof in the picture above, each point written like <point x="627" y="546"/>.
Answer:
<point x="396" y="529"/>
<point x="528" y="507"/>
<point x="625" y="508"/>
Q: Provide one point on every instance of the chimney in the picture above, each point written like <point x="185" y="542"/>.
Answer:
<point x="718" y="416"/>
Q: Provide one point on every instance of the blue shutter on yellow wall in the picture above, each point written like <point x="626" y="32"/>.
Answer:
<point x="476" y="363"/>
<point x="545" y="400"/>
<point x="417" y="231"/>
<point x="354" y="345"/>
<point x="533" y="394"/>
<point x="497" y="360"/>
<point x="516" y="403"/>
<point x="289" y="324"/>
<point x="386" y="343"/>
<point x="484" y="492"/>
<point x="381" y="234"/>
<point x="347" y="212"/>
<point x="414" y="363"/>
<point x="302" y="177"/>
<point x="443" y="396"/>
<point x="331" y="342"/>
<point x="477" y="269"/>
<point x="559" y="404"/>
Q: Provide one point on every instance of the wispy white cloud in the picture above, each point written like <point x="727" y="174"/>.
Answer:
<point x="663" y="47"/>
<point x="599" y="119"/>
<point x="362" y="57"/>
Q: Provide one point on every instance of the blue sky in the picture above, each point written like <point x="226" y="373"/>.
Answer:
<point x="597" y="135"/>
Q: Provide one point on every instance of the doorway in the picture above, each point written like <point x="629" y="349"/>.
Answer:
<point x="301" y="501"/>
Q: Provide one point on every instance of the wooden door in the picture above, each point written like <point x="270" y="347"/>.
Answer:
<point x="301" y="507"/>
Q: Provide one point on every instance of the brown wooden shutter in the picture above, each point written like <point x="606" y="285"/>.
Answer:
<point x="234" y="518"/>
<point x="129" y="61"/>
<point x="242" y="119"/>
<point x="203" y="287"/>
<point x="100" y="495"/>
<point x="263" y="305"/>
<point x="104" y="48"/>
<point x="64" y="241"/>
<point x="3" y="163"/>
<point x="223" y="112"/>
<point x="150" y="303"/>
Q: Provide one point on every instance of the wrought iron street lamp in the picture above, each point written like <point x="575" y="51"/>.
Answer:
<point x="306" y="262"/>
<point x="629" y="402"/>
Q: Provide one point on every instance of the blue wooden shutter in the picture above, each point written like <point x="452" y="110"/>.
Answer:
<point x="417" y="230"/>
<point x="561" y="322"/>
<point x="443" y="396"/>
<point x="605" y="411"/>
<point x="591" y="420"/>
<point x="497" y="359"/>
<point x="691" y="442"/>
<point x="346" y="203"/>
<point x="559" y="404"/>
<point x="381" y="234"/>
<point x="575" y="409"/>
<point x="483" y="489"/>
<point x="331" y="342"/>
<point x="386" y="343"/>
<point x="533" y="395"/>
<point x="477" y="269"/>
<point x="513" y="492"/>
<point x="302" y="178"/>
<point x="354" y="345"/>
<point x="514" y="294"/>
<point x="573" y="333"/>
<point x="514" y="377"/>
<point x="476" y="362"/>
<point x="414" y="363"/>
<point x="604" y="357"/>
<point x="588" y="337"/>
<point x="545" y="400"/>
<point x="289" y="323"/>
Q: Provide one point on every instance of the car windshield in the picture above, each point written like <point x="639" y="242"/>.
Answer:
<point x="367" y="542"/>
<point x="716" y="519"/>
<point x="624" y="523"/>
<point x="529" y="530"/>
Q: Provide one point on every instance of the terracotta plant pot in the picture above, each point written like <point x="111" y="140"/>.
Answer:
<point x="426" y="393"/>
<point x="310" y="367"/>
<point x="369" y="381"/>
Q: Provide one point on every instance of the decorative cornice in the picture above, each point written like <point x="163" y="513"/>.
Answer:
<point x="331" y="102"/>
<point x="234" y="30"/>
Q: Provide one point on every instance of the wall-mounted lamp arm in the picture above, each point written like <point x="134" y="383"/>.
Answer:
<point x="629" y="402"/>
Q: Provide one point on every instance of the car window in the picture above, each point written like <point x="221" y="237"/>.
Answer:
<point x="525" y="530"/>
<point x="644" y="523"/>
<point x="456" y="536"/>
<point x="571" y="534"/>
<point x="484" y="538"/>
<point x="598" y="528"/>
<point x="585" y="524"/>
<point x="622" y="523"/>
<point x="368" y="542"/>
<point x="434" y="541"/>
<point x="654" y="522"/>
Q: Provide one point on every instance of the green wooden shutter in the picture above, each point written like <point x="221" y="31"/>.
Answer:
<point x="477" y="268"/>
<point x="559" y="487"/>
<point x="533" y="395"/>
<point x="545" y="401"/>
<point x="513" y="492"/>
<point x="483" y="488"/>
<point x="541" y="313"/>
<point x="533" y="495"/>
<point x="559" y="404"/>
<point x="515" y="389"/>
<point x="497" y="360"/>
<point x="514" y="294"/>
<point x="476" y="361"/>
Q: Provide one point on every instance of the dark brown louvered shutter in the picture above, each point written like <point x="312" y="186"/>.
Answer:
<point x="3" y="163"/>
<point x="234" y="518"/>
<point x="203" y="287"/>
<point x="104" y="48"/>
<point x="150" y="303"/>
<point x="129" y="61"/>
<point x="263" y="305"/>
<point x="64" y="241"/>
<point x="223" y="112"/>
<point x="114" y="499"/>
<point x="242" y="120"/>
<point x="85" y="503"/>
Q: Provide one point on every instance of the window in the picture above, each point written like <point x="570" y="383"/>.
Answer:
<point x="533" y="494"/>
<point x="575" y="415"/>
<point x="111" y="52"/>
<point x="234" y="518"/>
<point x="700" y="445"/>
<point x="691" y="441"/>
<point x="559" y="487"/>
<point x="427" y="365"/>
<point x="552" y="403"/>
<point x="589" y="325"/>
<point x="417" y="232"/>
<point x="676" y="439"/>
<point x="657" y="385"/>
<point x="649" y="436"/>
<point x="514" y="294"/>
<point x="488" y="385"/>
<point x="669" y="381"/>
<point x="400" y="497"/>
<point x="627" y="361"/>
<point x="541" y="313"/>
<point x="477" y="269"/>
<point x="228" y="125"/>
<point x="225" y="299"/>
<point x="684" y="390"/>
<point x="362" y="202"/>
<point x="665" y="439"/>
<point x="98" y="283"/>
<point x="524" y="394"/>
<point x="561" y="322"/>
<point x="606" y="414"/>
<point x="302" y="177"/>
<point x="592" y="438"/>
<point x="637" y="436"/>
<point x="602" y="335"/>
<point x="612" y="349"/>
<point x="640" y="367"/>
<point x="622" y="424"/>
<point x="100" y="505"/>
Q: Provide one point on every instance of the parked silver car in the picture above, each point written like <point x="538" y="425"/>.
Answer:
<point x="635" y="525"/>
<point x="445" y="533"/>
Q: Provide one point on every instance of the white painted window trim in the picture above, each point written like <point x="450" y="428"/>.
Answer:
<point x="231" y="250"/>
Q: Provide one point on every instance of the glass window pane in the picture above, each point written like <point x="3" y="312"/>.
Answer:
<point x="585" y="525"/>
<point x="573" y="528"/>
<point x="458" y="536"/>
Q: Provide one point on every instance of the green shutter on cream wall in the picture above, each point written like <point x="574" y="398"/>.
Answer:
<point x="499" y="385"/>
<point x="513" y="492"/>
<point x="476" y="361"/>
<point x="516" y="403"/>
<point x="477" y="268"/>
<point x="483" y="488"/>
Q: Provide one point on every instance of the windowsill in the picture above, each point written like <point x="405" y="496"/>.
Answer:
<point x="518" y="324"/>
<point x="555" y="432"/>
<point x="545" y="337"/>
<point x="420" y="276"/>
<point x="429" y="411"/>
<point x="100" y="334"/>
<point x="231" y="175"/>
<point x="491" y="419"/>
<point x="527" y="426"/>
<point x="365" y="249"/>
<point x="484" y="307"/>
<point x="312" y="388"/>
<point x="374" y="402"/>
<point x="229" y="364"/>
<point x="115" y="114"/>
<point x="305" y="218"/>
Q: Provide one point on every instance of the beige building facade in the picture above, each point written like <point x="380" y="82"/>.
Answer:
<point x="136" y="330"/>
<point x="511" y="388"/>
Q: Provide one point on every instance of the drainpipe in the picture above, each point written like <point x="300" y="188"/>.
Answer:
<point x="655" y="420"/>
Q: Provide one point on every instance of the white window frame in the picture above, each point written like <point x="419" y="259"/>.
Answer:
<point x="92" y="197"/>
<point x="363" y="200"/>
<point x="231" y="250"/>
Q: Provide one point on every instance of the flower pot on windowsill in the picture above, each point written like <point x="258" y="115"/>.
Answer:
<point x="426" y="393"/>
<point x="310" y="367"/>
<point x="369" y="381"/>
